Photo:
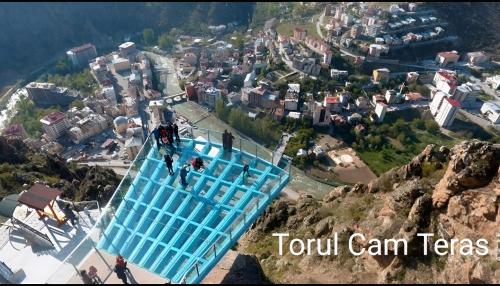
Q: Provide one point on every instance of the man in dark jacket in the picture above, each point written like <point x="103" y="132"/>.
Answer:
<point x="170" y="133"/>
<point x="120" y="273"/>
<point x="70" y="215"/>
<point x="156" y="134"/>
<point x="168" y="162"/>
<point x="229" y="143"/>
<point x="176" y="133"/>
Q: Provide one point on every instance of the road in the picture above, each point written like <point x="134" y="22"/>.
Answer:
<point x="320" y="33"/>
<point x="479" y="120"/>
<point x="288" y="62"/>
<point x="318" y="25"/>
<point x="487" y="89"/>
<point x="168" y="75"/>
<point x="404" y="106"/>
<point x="278" y="152"/>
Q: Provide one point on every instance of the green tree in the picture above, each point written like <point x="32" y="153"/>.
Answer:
<point x="78" y="104"/>
<point x="166" y="42"/>
<point x="63" y="66"/>
<point x="148" y="36"/>
<point x="432" y="126"/>
<point x="221" y="110"/>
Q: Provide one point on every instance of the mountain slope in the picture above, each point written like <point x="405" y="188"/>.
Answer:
<point x="33" y="33"/>
<point x="450" y="193"/>
<point x="477" y="24"/>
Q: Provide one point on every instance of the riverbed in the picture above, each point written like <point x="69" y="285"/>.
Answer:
<point x="9" y="110"/>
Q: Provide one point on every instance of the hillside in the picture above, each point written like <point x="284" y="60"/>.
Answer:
<point x="452" y="193"/>
<point x="475" y="23"/>
<point x="34" y="33"/>
<point x="20" y="165"/>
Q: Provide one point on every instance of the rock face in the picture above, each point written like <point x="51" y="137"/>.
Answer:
<point x="462" y="204"/>
<point x="77" y="183"/>
<point x="473" y="165"/>
<point x="12" y="151"/>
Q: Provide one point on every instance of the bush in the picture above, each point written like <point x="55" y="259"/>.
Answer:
<point x="432" y="126"/>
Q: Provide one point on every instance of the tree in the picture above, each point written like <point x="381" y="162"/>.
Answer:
<point x="431" y="126"/>
<point x="221" y="110"/>
<point x="63" y="66"/>
<point x="166" y="42"/>
<point x="148" y="36"/>
<point x="78" y="104"/>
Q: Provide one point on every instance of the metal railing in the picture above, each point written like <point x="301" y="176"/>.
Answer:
<point x="233" y="232"/>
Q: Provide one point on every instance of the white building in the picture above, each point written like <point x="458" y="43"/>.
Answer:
<point x="465" y="90"/>
<point x="445" y="80"/>
<point x="361" y="102"/>
<point x="87" y="127"/>
<point x="380" y="110"/>
<point x="390" y="96"/>
<point x="292" y="97"/>
<point x="447" y="112"/>
<point x="437" y="100"/>
<point x="155" y="109"/>
<point x="127" y="49"/>
<point x="210" y="96"/>
<point x="55" y="124"/>
<point x="109" y="93"/>
<point x="134" y="142"/>
<point x="492" y="111"/>
<point x="493" y="81"/>
<point x="80" y="56"/>
<point x="338" y="74"/>
<point x="475" y="58"/>
<point x="373" y="30"/>
<point x="249" y="80"/>
<point x="321" y="114"/>
<point x="120" y="64"/>
<point x="376" y="50"/>
<point x="445" y="58"/>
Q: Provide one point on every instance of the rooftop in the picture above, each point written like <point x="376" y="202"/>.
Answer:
<point x="126" y="45"/>
<point x="13" y="129"/>
<point x="82" y="48"/>
<point x="453" y="102"/>
<point x="53" y="118"/>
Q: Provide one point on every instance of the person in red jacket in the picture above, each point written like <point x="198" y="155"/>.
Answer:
<point x="121" y="262"/>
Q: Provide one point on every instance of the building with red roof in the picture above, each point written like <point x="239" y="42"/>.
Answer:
<point x="445" y="58"/>
<point x="15" y="131"/>
<point x="55" y="124"/>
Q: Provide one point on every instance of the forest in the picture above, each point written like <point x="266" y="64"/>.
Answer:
<point x="34" y="33"/>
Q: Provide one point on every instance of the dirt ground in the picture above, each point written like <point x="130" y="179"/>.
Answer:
<point x="346" y="164"/>
<point x="349" y="167"/>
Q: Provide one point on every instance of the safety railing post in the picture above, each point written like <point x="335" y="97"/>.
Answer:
<point x="215" y="251"/>
<point x="197" y="271"/>
<point x="208" y="135"/>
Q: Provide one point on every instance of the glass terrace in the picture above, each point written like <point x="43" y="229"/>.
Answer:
<point x="177" y="232"/>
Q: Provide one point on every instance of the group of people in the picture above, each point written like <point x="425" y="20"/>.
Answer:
<point x="120" y="269"/>
<point x="90" y="277"/>
<point x="227" y="141"/>
<point x="197" y="164"/>
<point x="165" y="134"/>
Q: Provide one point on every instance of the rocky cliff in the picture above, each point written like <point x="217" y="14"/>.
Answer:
<point x="452" y="193"/>
<point x="20" y="167"/>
